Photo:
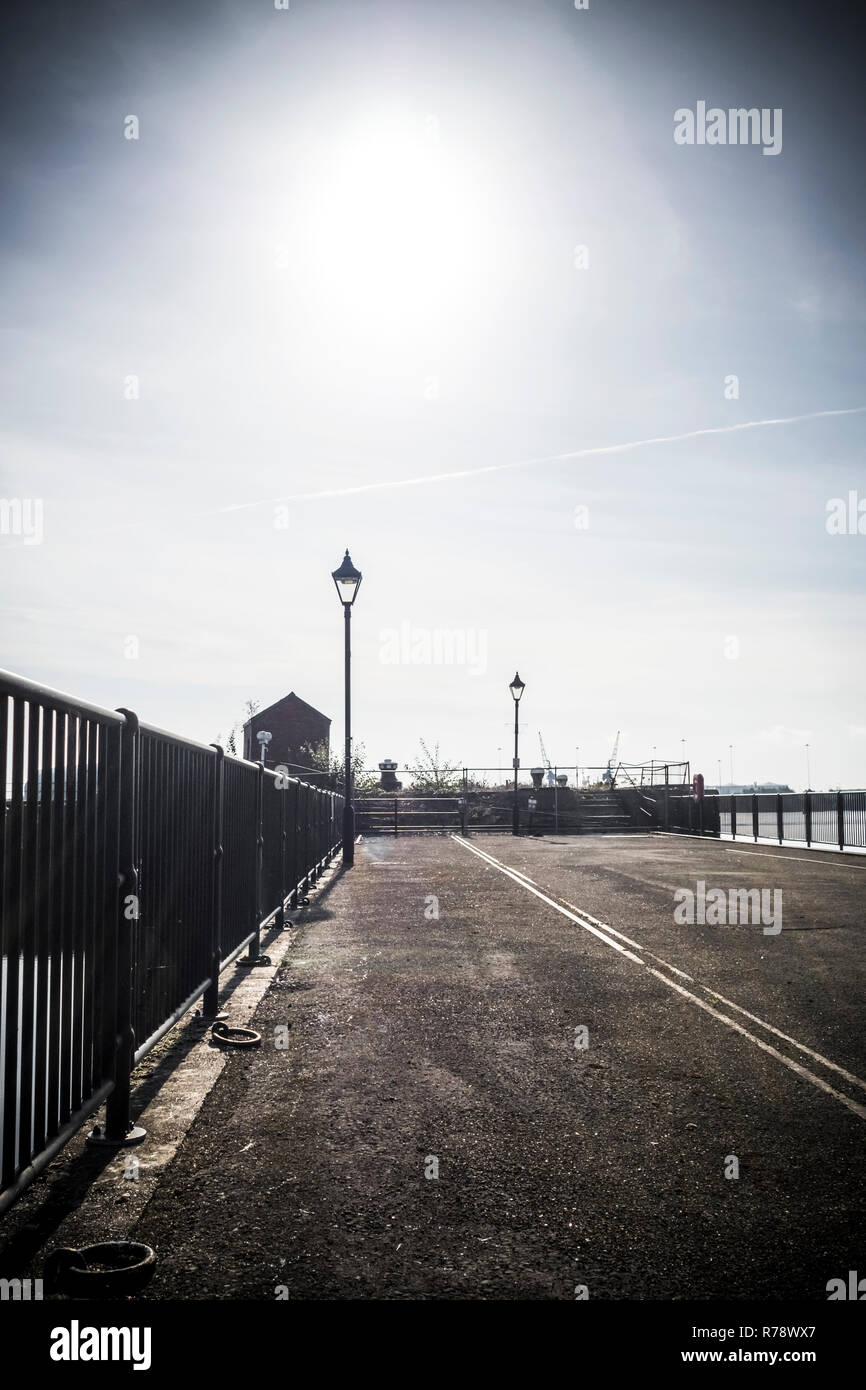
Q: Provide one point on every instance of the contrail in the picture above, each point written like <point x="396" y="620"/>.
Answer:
<point x="593" y="452"/>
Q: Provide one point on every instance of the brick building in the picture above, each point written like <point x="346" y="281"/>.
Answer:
<point x="293" y="723"/>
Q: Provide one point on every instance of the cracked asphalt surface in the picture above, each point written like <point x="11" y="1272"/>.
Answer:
<point x="398" y="1044"/>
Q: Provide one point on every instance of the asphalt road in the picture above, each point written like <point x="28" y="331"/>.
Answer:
<point x="420" y="1122"/>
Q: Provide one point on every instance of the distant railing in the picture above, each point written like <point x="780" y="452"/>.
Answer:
<point x="134" y="866"/>
<point x="834" y="819"/>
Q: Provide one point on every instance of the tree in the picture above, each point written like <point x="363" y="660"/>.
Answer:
<point x="317" y="757"/>
<point x="236" y="731"/>
<point x="431" y="773"/>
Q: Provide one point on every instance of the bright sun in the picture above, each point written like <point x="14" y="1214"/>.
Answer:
<point x="395" y="231"/>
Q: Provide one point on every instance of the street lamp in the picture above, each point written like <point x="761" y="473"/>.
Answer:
<point x="347" y="581"/>
<point x="264" y="739"/>
<point x="517" y="688"/>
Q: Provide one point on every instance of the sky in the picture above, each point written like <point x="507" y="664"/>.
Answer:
<point x="397" y="278"/>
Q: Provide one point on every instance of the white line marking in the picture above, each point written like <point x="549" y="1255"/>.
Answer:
<point x="842" y="856"/>
<point x="522" y="875"/>
<point x="816" y="1056"/>
<point x="765" y="1047"/>
<point x="682" y="974"/>
<point x="798" y="859"/>
<point x="592" y="924"/>
<point x="597" y="923"/>
<point x="494" y="863"/>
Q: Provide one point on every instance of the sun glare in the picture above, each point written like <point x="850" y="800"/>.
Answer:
<point x="395" y="231"/>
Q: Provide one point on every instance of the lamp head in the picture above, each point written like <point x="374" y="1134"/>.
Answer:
<point x="347" y="581"/>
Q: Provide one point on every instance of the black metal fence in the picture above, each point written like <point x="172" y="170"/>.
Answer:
<point x="134" y="866"/>
<point x="836" y="820"/>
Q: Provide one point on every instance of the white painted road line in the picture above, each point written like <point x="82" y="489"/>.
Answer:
<point x="842" y="860"/>
<point x="503" y="869"/>
<point x="800" y="858"/>
<point x="601" y="930"/>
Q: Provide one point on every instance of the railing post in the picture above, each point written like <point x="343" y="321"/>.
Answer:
<point x="807" y="816"/>
<point x="667" y="801"/>
<point x="306" y="788"/>
<point x="254" y="954"/>
<point x="755" y="817"/>
<point x="840" y="818"/>
<point x="281" y="913"/>
<point x="210" y="1002"/>
<point x="311" y="817"/>
<point x="317" y="820"/>
<point x="395" y="815"/>
<point x="296" y="840"/>
<point x="780" y="817"/>
<point x="260" y="858"/>
<point x="733" y="815"/>
<point x="119" y="1129"/>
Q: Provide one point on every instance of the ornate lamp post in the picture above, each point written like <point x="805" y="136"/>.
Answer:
<point x="347" y="581"/>
<point x="517" y="688"/>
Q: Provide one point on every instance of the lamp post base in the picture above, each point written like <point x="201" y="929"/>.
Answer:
<point x="348" y="836"/>
<point x="515" y="827"/>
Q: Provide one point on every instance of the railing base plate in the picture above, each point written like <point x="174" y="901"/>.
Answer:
<point x="97" y="1138"/>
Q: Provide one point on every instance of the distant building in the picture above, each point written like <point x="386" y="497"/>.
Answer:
<point x="739" y="788"/>
<point x="297" y="729"/>
<point x="388" y="780"/>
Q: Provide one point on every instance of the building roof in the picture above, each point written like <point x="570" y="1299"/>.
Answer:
<point x="279" y="704"/>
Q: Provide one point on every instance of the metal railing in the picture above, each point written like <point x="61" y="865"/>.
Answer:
<point x="833" y="819"/>
<point x="134" y="866"/>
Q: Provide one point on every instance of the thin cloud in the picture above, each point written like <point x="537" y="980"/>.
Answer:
<point x="593" y="452"/>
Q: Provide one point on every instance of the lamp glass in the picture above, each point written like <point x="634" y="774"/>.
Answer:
<point x="347" y="581"/>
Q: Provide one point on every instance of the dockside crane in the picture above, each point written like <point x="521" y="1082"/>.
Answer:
<point x="610" y="776"/>
<point x="545" y="761"/>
